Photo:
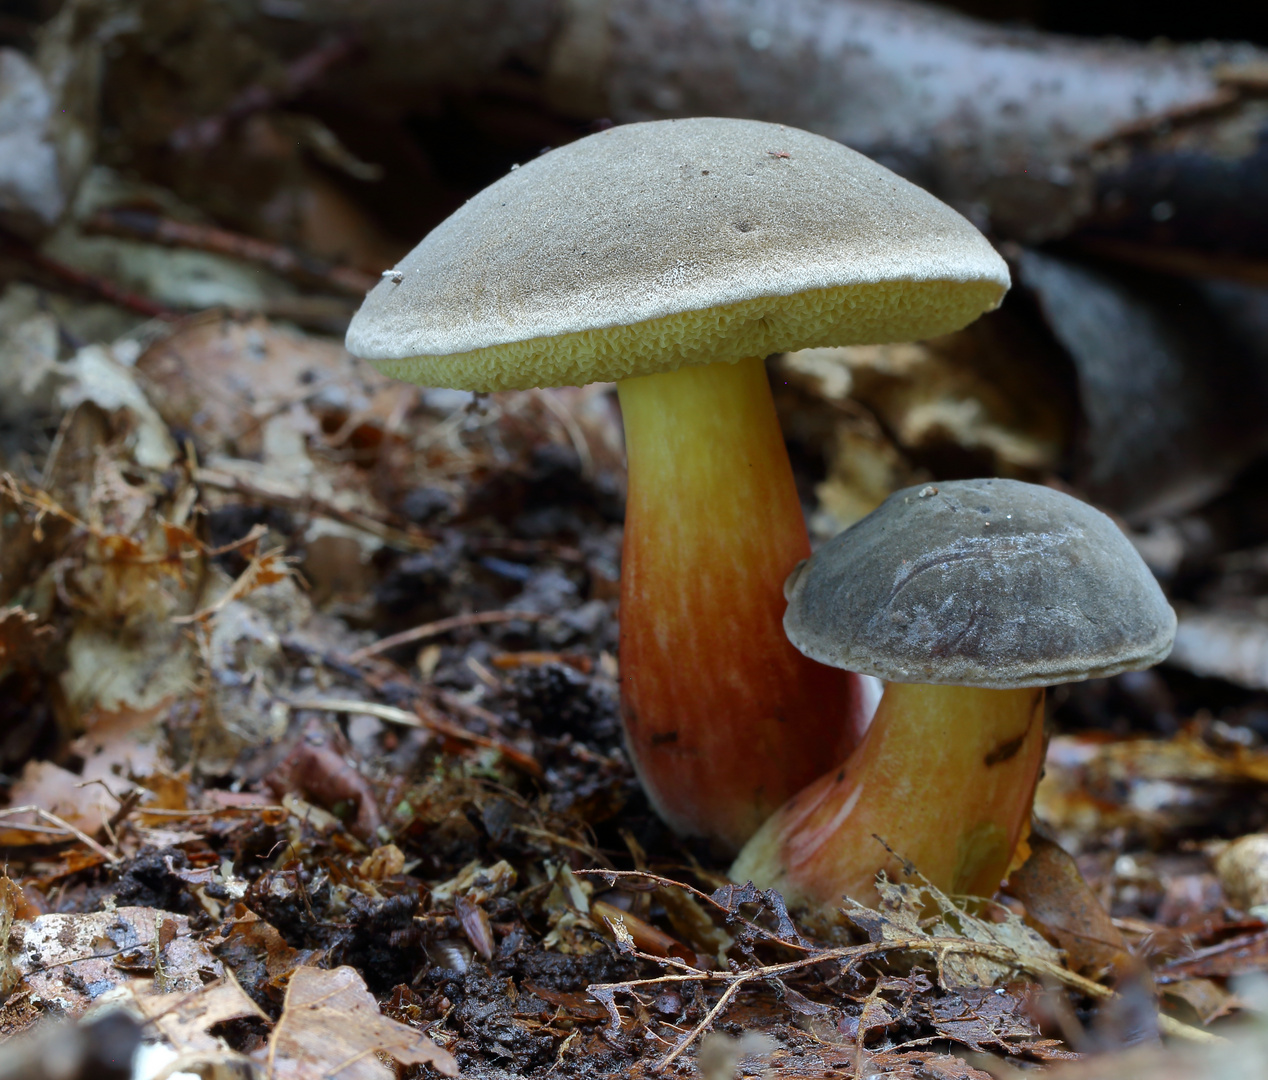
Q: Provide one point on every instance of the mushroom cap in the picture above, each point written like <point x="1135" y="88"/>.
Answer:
<point x="991" y="583"/>
<point x="649" y="246"/>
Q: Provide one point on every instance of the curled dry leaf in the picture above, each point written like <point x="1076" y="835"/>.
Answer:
<point x="322" y="766"/>
<point x="331" y="1026"/>
<point x="185" y="1019"/>
<point x="1063" y="904"/>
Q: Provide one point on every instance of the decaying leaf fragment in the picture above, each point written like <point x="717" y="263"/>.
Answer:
<point x="918" y="909"/>
<point x="331" y="1026"/>
<point x="71" y="960"/>
<point x="185" y="1019"/>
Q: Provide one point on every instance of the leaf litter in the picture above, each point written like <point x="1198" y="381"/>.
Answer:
<point x="311" y="738"/>
<point x="339" y="701"/>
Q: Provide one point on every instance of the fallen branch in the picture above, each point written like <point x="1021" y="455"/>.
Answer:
<point x="79" y="279"/>
<point x="305" y="268"/>
<point x="301" y="74"/>
<point x="1035" y="134"/>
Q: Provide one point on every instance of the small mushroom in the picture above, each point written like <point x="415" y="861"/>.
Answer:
<point x="673" y="256"/>
<point x="968" y="598"/>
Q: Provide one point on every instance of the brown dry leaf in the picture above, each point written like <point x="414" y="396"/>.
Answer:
<point x="120" y="746"/>
<point x="864" y="469"/>
<point x="963" y="392"/>
<point x="260" y="956"/>
<point x="223" y="379"/>
<point x="1057" y="897"/>
<point x="1208" y="1000"/>
<point x="60" y="792"/>
<point x="992" y="1020"/>
<point x="11" y="903"/>
<point x="186" y="1019"/>
<point x="95" y="375"/>
<point x="331" y="1025"/>
<point x="70" y="960"/>
<point x="1237" y="956"/>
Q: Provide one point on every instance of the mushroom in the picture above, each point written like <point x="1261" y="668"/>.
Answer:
<point x="968" y="598"/>
<point x="673" y="256"/>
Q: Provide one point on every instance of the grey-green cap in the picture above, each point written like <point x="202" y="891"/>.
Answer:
<point x="991" y="583"/>
<point x="649" y="246"/>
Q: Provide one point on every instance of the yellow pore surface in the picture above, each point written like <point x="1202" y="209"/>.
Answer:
<point x="858" y="314"/>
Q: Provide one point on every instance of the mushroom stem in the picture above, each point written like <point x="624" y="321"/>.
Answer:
<point x="724" y="718"/>
<point x="945" y="776"/>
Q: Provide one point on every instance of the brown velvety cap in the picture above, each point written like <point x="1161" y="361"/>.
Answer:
<point x="990" y="583"/>
<point x="712" y="239"/>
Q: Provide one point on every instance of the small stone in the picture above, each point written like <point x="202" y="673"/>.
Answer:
<point x="1243" y="871"/>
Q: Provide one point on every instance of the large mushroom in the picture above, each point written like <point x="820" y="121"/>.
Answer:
<point x="968" y="598"/>
<point x="673" y="256"/>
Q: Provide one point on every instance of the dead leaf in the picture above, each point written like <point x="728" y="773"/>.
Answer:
<point x="1237" y="956"/>
<point x="1207" y="1000"/>
<point x="60" y="792"/>
<point x="331" y="1025"/>
<point x="1093" y="783"/>
<point x="222" y="379"/>
<point x="11" y="903"/>
<point x="185" y="1019"/>
<point x="917" y="909"/>
<point x="71" y="960"/>
<point x="992" y="1020"/>
<point x="1057" y="897"/>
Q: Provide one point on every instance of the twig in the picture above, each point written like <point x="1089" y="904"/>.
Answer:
<point x="440" y="626"/>
<point x="65" y="826"/>
<point x="612" y="876"/>
<point x="421" y="719"/>
<point x="308" y="269"/>
<point x="80" y="279"/>
<point x="940" y="948"/>
<point x="266" y="569"/>
<point x="298" y="77"/>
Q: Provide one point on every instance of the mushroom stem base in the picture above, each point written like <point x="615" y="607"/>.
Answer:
<point x="945" y="776"/>
<point x="724" y="719"/>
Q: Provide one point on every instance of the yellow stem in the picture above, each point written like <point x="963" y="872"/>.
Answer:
<point x="945" y="776"/>
<point x="724" y="718"/>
